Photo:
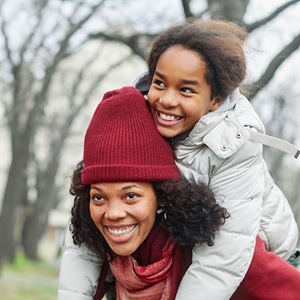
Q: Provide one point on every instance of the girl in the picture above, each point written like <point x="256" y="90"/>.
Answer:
<point x="195" y="69"/>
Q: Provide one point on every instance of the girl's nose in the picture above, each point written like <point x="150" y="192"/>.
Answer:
<point x="115" y="211"/>
<point x="169" y="99"/>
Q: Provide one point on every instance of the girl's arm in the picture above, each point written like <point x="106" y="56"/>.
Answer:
<point x="79" y="272"/>
<point x="238" y="182"/>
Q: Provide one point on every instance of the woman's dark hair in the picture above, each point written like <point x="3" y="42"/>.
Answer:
<point x="219" y="45"/>
<point x="190" y="214"/>
<point x="82" y="226"/>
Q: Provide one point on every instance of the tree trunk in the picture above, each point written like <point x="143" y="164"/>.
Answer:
<point x="36" y="221"/>
<point x="232" y="10"/>
<point x="14" y="191"/>
<point x="33" y="229"/>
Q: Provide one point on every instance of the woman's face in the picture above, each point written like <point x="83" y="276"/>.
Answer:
<point x="124" y="212"/>
<point x="179" y="94"/>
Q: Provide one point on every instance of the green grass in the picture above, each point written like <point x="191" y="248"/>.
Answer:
<point x="28" y="280"/>
<point x="22" y="264"/>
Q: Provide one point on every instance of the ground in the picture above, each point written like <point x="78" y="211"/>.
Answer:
<point x="25" y="280"/>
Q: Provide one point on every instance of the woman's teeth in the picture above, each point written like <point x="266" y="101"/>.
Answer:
<point x="120" y="232"/>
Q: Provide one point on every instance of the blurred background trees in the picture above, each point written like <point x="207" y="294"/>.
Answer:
<point x="58" y="57"/>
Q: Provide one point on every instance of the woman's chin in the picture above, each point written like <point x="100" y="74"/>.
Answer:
<point x="124" y="250"/>
<point x="124" y="244"/>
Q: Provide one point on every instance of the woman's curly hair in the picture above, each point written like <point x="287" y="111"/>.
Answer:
<point x="82" y="226"/>
<point x="191" y="214"/>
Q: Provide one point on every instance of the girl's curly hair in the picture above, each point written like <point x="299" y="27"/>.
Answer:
<point x="190" y="214"/>
<point x="219" y="43"/>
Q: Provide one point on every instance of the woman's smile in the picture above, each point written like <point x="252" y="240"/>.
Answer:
<point x="120" y="235"/>
<point x="122" y="231"/>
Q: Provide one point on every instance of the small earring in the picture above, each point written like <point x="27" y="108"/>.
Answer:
<point x="161" y="210"/>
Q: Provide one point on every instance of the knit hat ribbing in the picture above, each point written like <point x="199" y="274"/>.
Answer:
<point x="123" y="144"/>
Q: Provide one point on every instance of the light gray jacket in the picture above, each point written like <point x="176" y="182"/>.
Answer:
<point x="218" y="151"/>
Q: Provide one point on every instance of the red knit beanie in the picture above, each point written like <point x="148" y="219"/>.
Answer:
<point x="123" y="144"/>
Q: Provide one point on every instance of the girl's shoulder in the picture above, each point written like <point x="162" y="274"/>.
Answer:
<point x="227" y="137"/>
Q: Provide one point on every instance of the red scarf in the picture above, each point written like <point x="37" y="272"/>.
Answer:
<point x="153" y="272"/>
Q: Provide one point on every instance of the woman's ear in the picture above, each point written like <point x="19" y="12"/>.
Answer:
<point x="215" y="103"/>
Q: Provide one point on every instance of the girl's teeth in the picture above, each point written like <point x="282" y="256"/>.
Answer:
<point x="120" y="232"/>
<point x="167" y="117"/>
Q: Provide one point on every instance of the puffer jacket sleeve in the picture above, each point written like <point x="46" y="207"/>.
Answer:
<point x="238" y="182"/>
<point x="79" y="272"/>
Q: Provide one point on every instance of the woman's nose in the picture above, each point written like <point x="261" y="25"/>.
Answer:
<point x="115" y="210"/>
<point x="169" y="99"/>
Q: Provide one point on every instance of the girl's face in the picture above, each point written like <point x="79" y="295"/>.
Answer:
<point x="179" y="94"/>
<point x="124" y="212"/>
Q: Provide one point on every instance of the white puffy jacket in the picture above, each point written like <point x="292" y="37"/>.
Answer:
<point x="218" y="151"/>
<point x="79" y="272"/>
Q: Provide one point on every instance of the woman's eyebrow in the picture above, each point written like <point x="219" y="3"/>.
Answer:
<point x="95" y="188"/>
<point x="129" y="187"/>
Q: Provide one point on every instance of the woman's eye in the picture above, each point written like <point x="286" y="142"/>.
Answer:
<point x="131" y="196"/>
<point x="97" y="198"/>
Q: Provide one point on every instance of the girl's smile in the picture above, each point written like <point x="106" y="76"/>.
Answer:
<point x="179" y="94"/>
<point x="167" y="119"/>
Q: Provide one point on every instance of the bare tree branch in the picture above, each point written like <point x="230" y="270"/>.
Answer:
<point x="28" y="40"/>
<point x="200" y="15"/>
<point x="64" y="44"/>
<point x="186" y="8"/>
<point x="75" y="109"/>
<point x="274" y="65"/>
<point x="137" y="42"/>
<point x="41" y="96"/>
<point x="5" y="36"/>
<point x="255" y="25"/>
<point x="96" y="81"/>
<point x="233" y="10"/>
<point x="43" y="36"/>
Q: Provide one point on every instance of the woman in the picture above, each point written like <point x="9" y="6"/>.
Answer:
<point x="128" y="174"/>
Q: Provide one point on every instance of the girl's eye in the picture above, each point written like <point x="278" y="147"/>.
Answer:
<point x="187" y="90"/>
<point x="158" y="83"/>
